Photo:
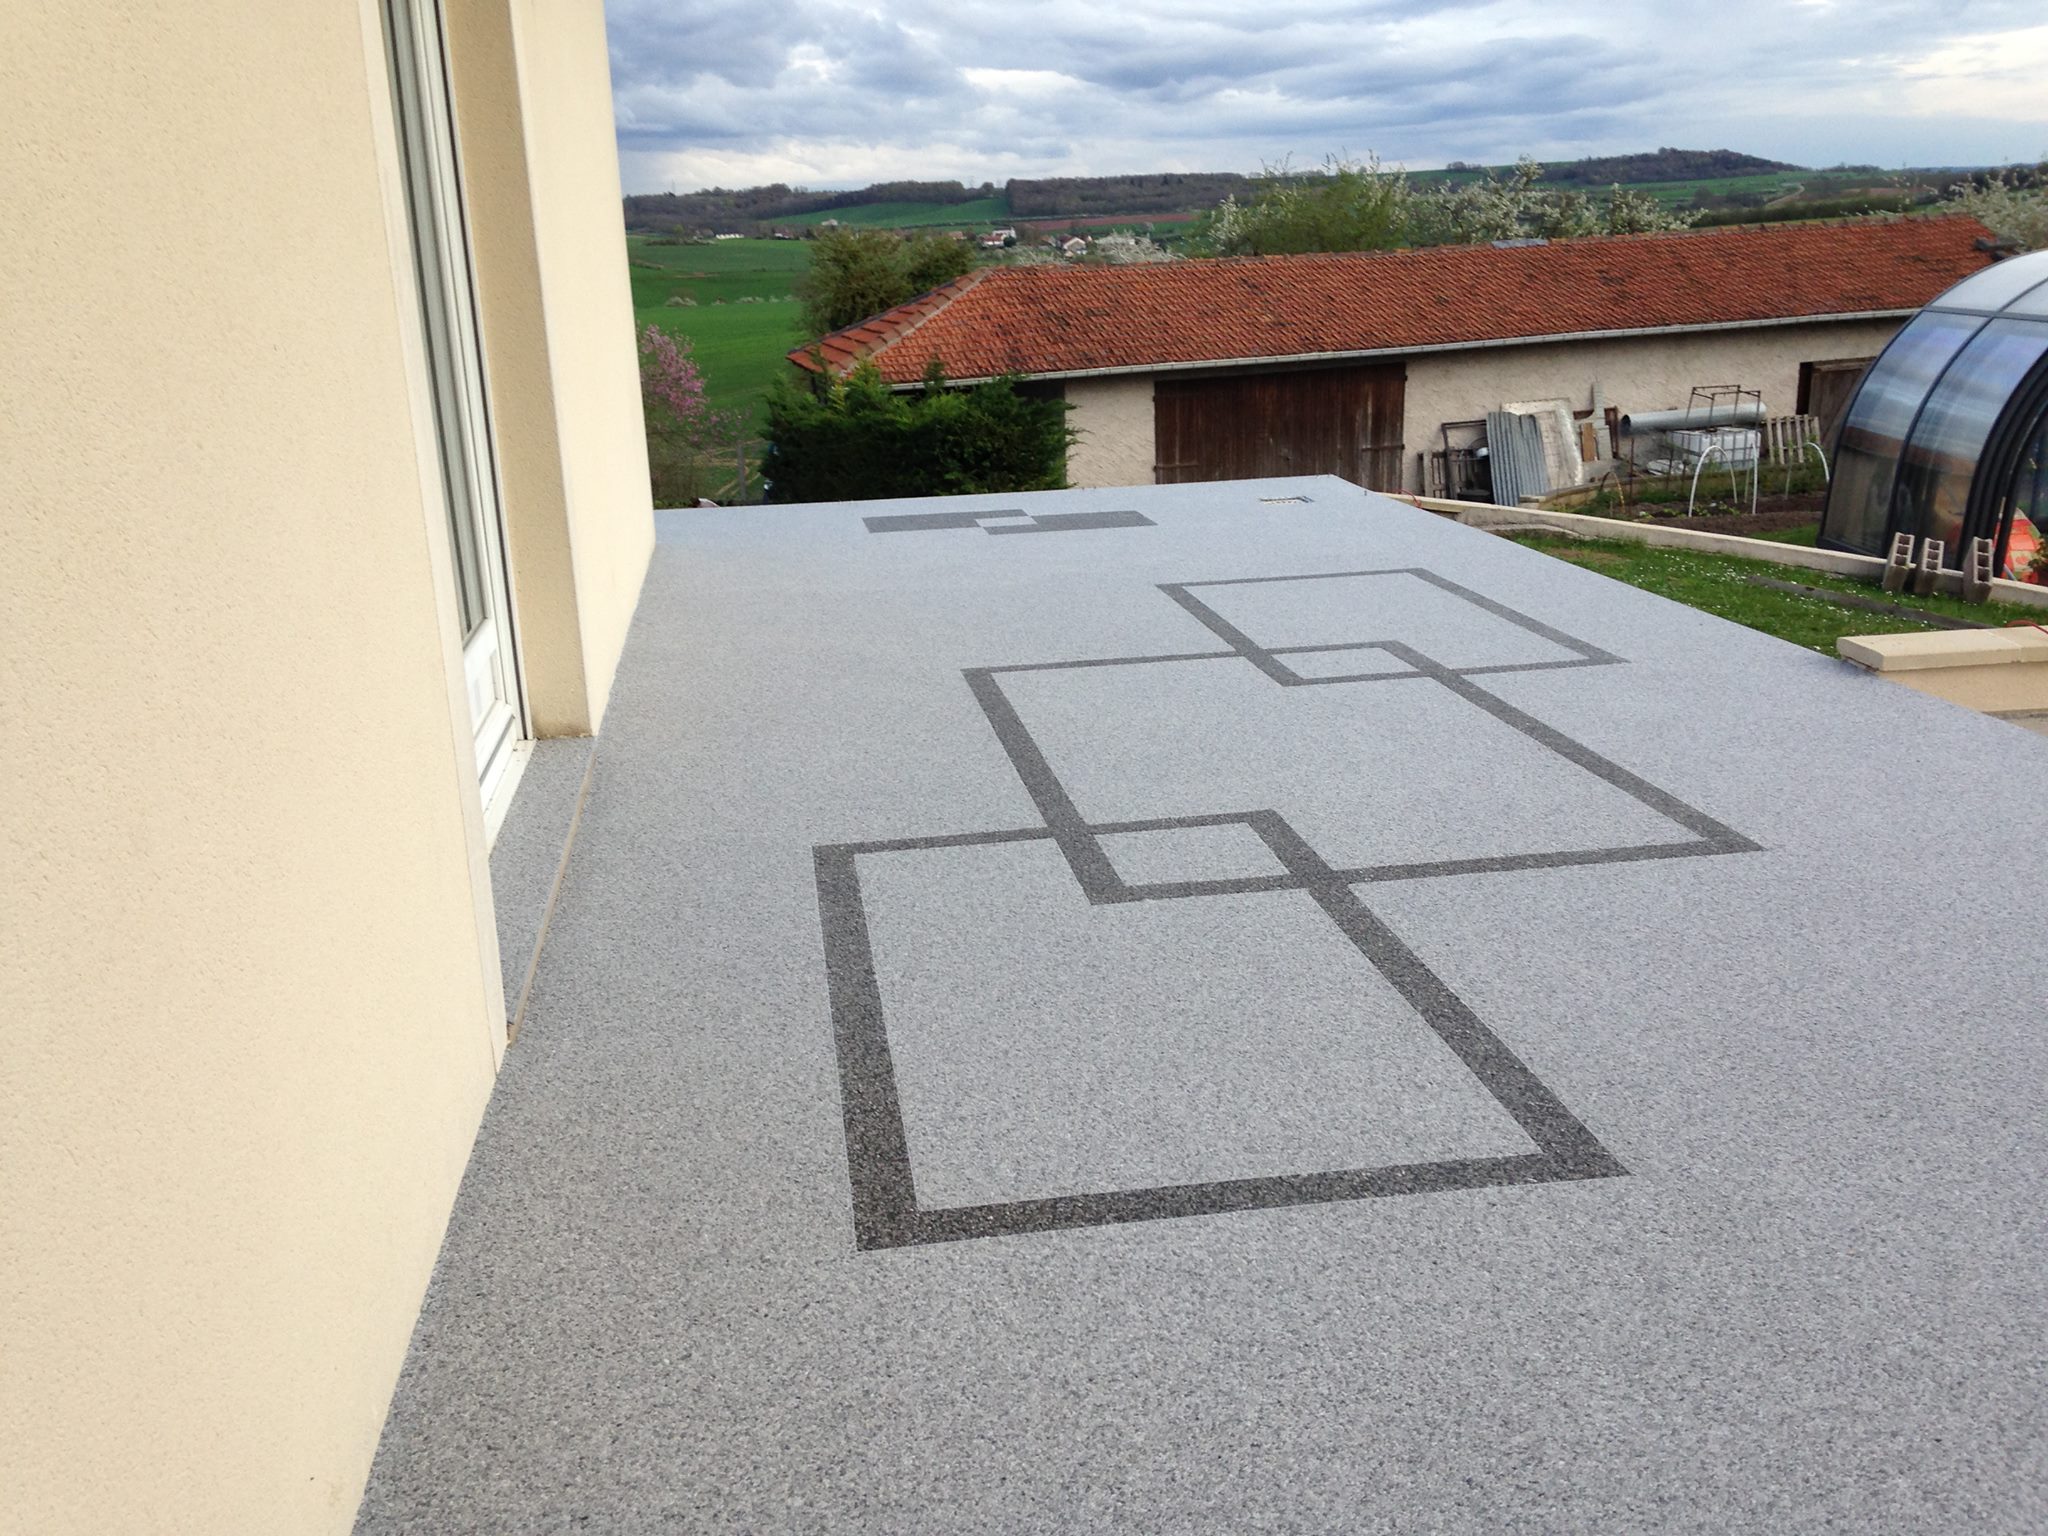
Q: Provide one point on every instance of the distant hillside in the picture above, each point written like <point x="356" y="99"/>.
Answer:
<point x="1663" y="165"/>
<point x="719" y="209"/>
<point x="1721" y="185"/>
<point x="906" y="203"/>
<point x="1176" y="192"/>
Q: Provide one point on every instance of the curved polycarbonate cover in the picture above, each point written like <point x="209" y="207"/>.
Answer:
<point x="2032" y="304"/>
<point x="1949" y="435"/>
<point x="1874" y="432"/>
<point x="1961" y="383"/>
<point x="2016" y="279"/>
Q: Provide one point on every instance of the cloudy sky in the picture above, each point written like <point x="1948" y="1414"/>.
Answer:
<point x="839" y="93"/>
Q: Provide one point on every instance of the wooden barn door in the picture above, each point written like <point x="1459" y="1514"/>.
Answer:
<point x="1322" y="421"/>
<point x="1825" y="390"/>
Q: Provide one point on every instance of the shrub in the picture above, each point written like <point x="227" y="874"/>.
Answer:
<point x="1348" y="206"/>
<point x="855" y="273"/>
<point x="855" y="439"/>
<point x="687" y="441"/>
<point x="1363" y="206"/>
<point x="2014" y="207"/>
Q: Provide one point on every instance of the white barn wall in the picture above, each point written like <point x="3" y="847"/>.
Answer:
<point x="1114" y="418"/>
<point x="1639" y="373"/>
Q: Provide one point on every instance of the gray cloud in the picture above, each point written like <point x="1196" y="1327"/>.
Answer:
<point x="828" y="92"/>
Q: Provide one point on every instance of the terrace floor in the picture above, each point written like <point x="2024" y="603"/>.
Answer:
<point x="1250" y="1008"/>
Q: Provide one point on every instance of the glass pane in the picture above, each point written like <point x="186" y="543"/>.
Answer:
<point x="1996" y="286"/>
<point x="1941" y="459"/>
<point x="1859" y="503"/>
<point x="412" y="38"/>
<point x="2035" y="300"/>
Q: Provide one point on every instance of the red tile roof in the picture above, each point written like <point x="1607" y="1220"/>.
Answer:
<point x="1068" y="319"/>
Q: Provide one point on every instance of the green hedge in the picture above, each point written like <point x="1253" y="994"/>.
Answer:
<point x="857" y="440"/>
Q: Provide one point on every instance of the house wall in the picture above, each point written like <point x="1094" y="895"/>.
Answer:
<point x="253" y="1008"/>
<point x="1637" y="373"/>
<point x="533" y="99"/>
<point x="573" y="162"/>
<point x="1114" y="418"/>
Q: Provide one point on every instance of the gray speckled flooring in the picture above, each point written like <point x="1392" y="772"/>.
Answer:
<point x="526" y="859"/>
<point x="1581" y="1075"/>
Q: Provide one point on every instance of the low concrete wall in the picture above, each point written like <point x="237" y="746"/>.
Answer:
<point x="1998" y="671"/>
<point x="1669" y="536"/>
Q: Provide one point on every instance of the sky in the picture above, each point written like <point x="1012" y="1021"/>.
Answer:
<point x="826" y="93"/>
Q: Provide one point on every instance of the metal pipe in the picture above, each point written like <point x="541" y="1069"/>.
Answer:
<point x="1741" y="414"/>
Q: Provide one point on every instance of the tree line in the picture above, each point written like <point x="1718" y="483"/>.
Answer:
<point x="1663" y="165"/>
<point x="1360" y="205"/>
<point x="723" y="207"/>
<point x="727" y="208"/>
<point x="1053" y="197"/>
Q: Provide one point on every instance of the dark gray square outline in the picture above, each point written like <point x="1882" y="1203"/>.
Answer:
<point x="1042" y="522"/>
<point x="886" y="1212"/>
<point x="1267" y="659"/>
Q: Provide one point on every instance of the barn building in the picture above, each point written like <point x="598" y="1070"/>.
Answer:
<point x="1357" y="364"/>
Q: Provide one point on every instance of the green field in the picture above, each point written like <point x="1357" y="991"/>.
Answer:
<point x="1687" y="194"/>
<point x="982" y="213"/>
<point x="740" y="348"/>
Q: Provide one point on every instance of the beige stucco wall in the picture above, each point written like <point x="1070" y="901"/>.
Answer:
<point x="1641" y="373"/>
<point x="1114" y="418"/>
<point x="533" y="483"/>
<point x="580" y="244"/>
<point x="1995" y="690"/>
<point x="252" y="1003"/>
<point x="533" y="97"/>
<point x="1999" y="671"/>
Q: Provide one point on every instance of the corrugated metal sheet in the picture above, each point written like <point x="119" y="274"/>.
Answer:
<point x="1514" y="447"/>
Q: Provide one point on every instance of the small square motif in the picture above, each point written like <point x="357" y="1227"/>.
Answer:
<point x="1350" y="661"/>
<point x="1180" y="854"/>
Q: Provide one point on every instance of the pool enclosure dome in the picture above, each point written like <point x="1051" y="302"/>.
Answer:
<point x="1945" y="436"/>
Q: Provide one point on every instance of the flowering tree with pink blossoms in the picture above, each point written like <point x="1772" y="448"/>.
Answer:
<point x="690" y="446"/>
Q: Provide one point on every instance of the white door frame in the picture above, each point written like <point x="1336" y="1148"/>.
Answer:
<point x="445" y="281"/>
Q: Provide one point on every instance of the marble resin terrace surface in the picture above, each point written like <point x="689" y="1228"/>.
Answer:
<point x="1250" y="1007"/>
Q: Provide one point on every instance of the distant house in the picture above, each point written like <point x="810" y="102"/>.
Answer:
<point x="1354" y="364"/>
<point x="1074" y="245"/>
<point x="726" y="237"/>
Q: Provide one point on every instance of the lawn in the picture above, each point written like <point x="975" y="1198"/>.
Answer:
<point x="1719" y="584"/>
<point x="740" y="347"/>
